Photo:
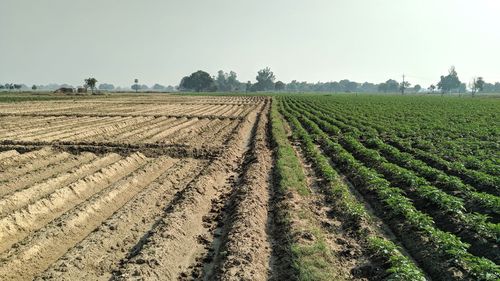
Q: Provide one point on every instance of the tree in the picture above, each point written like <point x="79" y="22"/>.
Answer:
<point x="106" y="87"/>
<point x="477" y="85"/>
<point x="248" y="86"/>
<point x="232" y="81"/>
<point x="221" y="81"/>
<point x="472" y="86"/>
<point x="343" y="85"/>
<point x="90" y="82"/>
<point x="351" y="86"/>
<point x="265" y="80"/>
<point x="382" y="87"/>
<point x="279" y="86"/>
<point x="449" y="82"/>
<point x="417" y="88"/>
<point x="34" y="87"/>
<point x="488" y="88"/>
<point x="227" y="82"/>
<point x="368" y="87"/>
<point x="158" y="87"/>
<point x="1" y="86"/>
<point x="17" y="86"/>
<point x="432" y="88"/>
<point x="389" y="86"/>
<point x="136" y="85"/>
<point x="497" y="87"/>
<point x="199" y="81"/>
<point x="462" y="88"/>
<point x="403" y="86"/>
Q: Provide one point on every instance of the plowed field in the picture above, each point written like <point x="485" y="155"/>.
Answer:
<point x="132" y="188"/>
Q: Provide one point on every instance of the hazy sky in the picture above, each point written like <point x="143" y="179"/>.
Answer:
<point x="160" y="41"/>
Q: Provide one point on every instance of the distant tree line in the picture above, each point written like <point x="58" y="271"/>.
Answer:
<point x="265" y="80"/>
<point x="100" y="87"/>
<point x="12" y="86"/>
<point x="201" y="81"/>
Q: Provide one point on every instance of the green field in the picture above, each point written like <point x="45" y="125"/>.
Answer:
<point x="428" y="166"/>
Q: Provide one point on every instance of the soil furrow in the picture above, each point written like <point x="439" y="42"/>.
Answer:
<point x="202" y="136"/>
<point x="221" y="136"/>
<point x="47" y="245"/>
<point x="9" y="123"/>
<point x="107" y="114"/>
<point x="8" y="154"/>
<point x="143" y="133"/>
<point x="97" y="256"/>
<point x="74" y="129"/>
<point x="49" y="128"/>
<point x="247" y="246"/>
<point x="223" y="111"/>
<point x="43" y="174"/>
<point x="161" y="136"/>
<point x="18" y="225"/>
<point x="143" y="121"/>
<point x="174" y="243"/>
<point x="25" y="157"/>
<point x="20" y="198"/>
<point x="98" y="129"/>
<point x="235" y="110"/>
<point x="32" y="166"/>
<point x="194" y="131"/>
<point x="148" y="128"/>
<point x="188" y="131"/>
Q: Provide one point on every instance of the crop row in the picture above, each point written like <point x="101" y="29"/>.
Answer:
<point x="290" y="175"/>
<point x="446" y="247"/>
<point x="446" y="208"/>
<point x="487" y="202"/>
<point x="449" y="127"/>
<point x="474" y="153"/>
<point x="478" y="179"/>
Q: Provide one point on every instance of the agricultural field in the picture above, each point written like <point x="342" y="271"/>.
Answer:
<point x="133" y="187"/>
<point x="282" y="187"/>
<point x="426" y="169"/>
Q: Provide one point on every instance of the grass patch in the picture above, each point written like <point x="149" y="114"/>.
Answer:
<point x="313" y="259"/>
<point x="23" y="97"/>
<point x="288" y="167"/>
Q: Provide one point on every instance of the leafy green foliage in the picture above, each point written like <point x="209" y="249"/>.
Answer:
<point x="199" y="81"/>
<point x="400" y="267"/>
<point x="356" y="145"/>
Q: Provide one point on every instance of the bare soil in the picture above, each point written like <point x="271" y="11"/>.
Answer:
<point x="135" y="188"/>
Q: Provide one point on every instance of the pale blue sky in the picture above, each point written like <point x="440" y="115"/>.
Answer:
<point x="160" y="41"/>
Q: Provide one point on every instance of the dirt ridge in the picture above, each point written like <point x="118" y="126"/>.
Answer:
<point x="173" y="244"/>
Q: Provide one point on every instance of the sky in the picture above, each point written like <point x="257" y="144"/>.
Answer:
<point x="160" y="41"/>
